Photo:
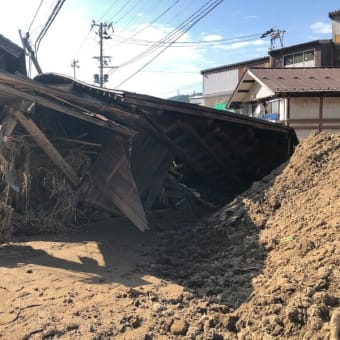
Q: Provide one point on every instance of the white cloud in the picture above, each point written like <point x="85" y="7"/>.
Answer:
<point x="212" y="37"/>
<point x="252" y="17"/>
<point x="242" y="44"/>
<point x="66" y="34"/>
<point x="320" y="27"/>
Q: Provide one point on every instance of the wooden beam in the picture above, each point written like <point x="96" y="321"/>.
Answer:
<point x="173" y="126"/>
<point x="157" y="130"/>
<point x="112" y="185"/>
<point x="8" y="126"/>
<point x="320" y="113"/>
<point x="210" y="134"/>
<point x="52" y="153"/>
<point x="52" y="90"/>
<point x="158" y="180"/>
<point x="144" y="102"/>
<point x="60" y="107"/>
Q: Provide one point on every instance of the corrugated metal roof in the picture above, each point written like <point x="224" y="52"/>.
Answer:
<point x="241" y="63"/>
<point x="308" y="44"/>
<point x="297" y="80"/>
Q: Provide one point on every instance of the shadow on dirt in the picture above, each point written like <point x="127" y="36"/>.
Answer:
<point x="215" y="257"/>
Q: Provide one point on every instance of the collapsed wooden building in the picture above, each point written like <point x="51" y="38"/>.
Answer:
<point x="70" y="152"/>
<point x="115" y="149"/>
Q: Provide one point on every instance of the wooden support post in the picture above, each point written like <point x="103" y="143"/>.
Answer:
<point x="8" y="126"/>
<point x="52" y="153"/>
<point x="320" y="113"/>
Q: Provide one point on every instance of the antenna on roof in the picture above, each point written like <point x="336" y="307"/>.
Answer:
<point x="276" y="38"/>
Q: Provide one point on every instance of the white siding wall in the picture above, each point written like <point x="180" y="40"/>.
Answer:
<point x="220" y="82"/>
<point x="331" y="107"/>
<point x="304" y="108"/>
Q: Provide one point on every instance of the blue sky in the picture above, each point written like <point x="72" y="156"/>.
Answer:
<point x="238" y="24"/>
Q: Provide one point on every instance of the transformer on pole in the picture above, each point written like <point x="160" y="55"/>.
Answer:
<point x="103" y="33"/>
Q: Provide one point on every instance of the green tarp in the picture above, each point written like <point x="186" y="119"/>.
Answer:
<point x="220" y="106"/>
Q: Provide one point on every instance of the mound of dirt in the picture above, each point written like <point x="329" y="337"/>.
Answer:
<point x="268" y="263"/>
<point x="265" y="266"/>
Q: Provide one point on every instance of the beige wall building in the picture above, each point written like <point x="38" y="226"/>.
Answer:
<point x="306" y="99"/>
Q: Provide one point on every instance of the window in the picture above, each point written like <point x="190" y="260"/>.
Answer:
<point x="288" y="60"/>
<point x="308" y="55"/>
<point x="299" y="59"/>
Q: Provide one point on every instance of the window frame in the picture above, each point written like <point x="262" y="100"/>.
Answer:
<point x="292" y="56"/>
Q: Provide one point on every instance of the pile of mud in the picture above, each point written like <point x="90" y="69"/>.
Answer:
<point x="267" y="264"/>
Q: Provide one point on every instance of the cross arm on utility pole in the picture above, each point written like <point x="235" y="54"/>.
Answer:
<point x="103" y="32"/>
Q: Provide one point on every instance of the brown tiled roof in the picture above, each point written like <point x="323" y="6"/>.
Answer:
<point x="298" y="80"/>
<point x="333" y="14"/>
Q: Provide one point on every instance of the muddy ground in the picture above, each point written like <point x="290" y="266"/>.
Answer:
<point x="265" y="266"/>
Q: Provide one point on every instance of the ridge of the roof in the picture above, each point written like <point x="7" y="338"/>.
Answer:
<point x="245" y="62"/>
<point x="306" y="43"/>
<point x="10" y="47"/>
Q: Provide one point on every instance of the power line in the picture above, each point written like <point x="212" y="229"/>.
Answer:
<point x="49" y="22"/>
<point x="127" y="13"/>
<point x="201" y="15"/>
<point x="35" y="15"/>
<point x="121" y="9"/>
<point x="179" y="31"/>
<point x="134" y="20"/>
<point x="143" y="42"/>
<point x="83" y="42"/>
<point x="153" y="21"/>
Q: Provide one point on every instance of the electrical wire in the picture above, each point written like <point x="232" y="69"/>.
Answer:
<point x="202" y="14"/>
<point x="35" y="15"/>
<point x="179" y="31"/>
<point x="83" y="42"/>
<point x="121" y="9"/>
<point x="141" y="42"/>
<point x="107" y="11"/>
<point x="134" y="21"/>
<point x="49" y="22"/>
<point x="152" y="22"/>
<point x="133" y="8"/>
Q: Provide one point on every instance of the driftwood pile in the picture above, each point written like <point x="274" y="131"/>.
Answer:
<point x="42" y="198"/>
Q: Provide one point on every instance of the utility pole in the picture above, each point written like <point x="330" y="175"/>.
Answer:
<point x="103" y="33"/>
<point x="274" y="35"/>
<point x="74" y="65"/>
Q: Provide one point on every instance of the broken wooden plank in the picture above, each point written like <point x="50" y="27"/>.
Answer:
<point x="78" y="141"/>
<point x="8" y="126"/>
<point x="147" y="161"/>
<point x="52" y="153"/>
<point x="158" y="180"/>
<point x="64" y="91"/>
<point x="53" y="104"/>
<point x="144" y="102"/>
<point x="112" y="185"/>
